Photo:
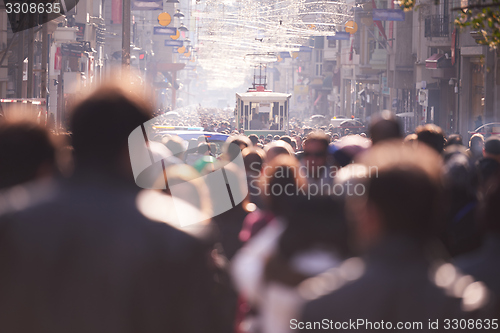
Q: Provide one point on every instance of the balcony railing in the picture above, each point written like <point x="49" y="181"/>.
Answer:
<point x="437" y="26"/>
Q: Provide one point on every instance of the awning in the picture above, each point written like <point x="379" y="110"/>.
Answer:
<point x="316" y="84"/>
<point x="437" y="61"/>
<point x="405" y="114"/>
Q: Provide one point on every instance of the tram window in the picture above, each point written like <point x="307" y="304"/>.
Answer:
<point x="275" y="109"/>
<point x="245" y="118"/>
<point x="280" y="118"/>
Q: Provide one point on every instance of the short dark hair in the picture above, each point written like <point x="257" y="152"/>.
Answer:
<point x="492" y="145"/>
<point x="385" y="126"/>
<point x="174" y="144"/>
<point x="287" y="139"/>
<point x="234" y="145"/>
<point x="407" y="189"/>
<point x="319" y="137"/>
<point x="254" y="138"/>
<point x="24" y="148"/>
<point x="102" y="123"/>
<point x="432" y="135"/>
<point x="477" y="140"/>
<point x="203" y="148"/>
<point x="454" y="139"/>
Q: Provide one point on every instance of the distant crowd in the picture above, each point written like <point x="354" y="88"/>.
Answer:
<point x="307" y="231"/>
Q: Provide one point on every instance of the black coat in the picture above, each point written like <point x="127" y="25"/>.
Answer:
<point x="395" y="287"/>
<point x="84" y="259"/>
<point x="483" y="264"/>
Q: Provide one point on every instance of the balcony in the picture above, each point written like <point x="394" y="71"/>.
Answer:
<point x="437" y="26"/>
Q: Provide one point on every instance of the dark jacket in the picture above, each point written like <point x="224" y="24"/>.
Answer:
<point x="483" y="264"/>
<point x="395" y="287"/>
<point x="84" y="259"/>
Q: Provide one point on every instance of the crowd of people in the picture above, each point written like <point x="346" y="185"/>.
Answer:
<point x="311" y="231"/>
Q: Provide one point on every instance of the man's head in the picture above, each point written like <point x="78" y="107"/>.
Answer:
<point x="254" y="138"/>
<point x="234" y="145"/>
<point x="204" y="149"/>
<point x="287" y="139"/>
<point x="454" y="139"/>
<point x="280" y="180"/>
<point x="276" y="148"/>
<point x="385" y="126"/>
<point x="254" y="159"/>
<point x="432" y="135"/>
<point x="403" y="194"/>
<point x="101" y="125"/>
<point x="175" y="145"/>
<point x="315" y="151"/>
<point x="492" y="148"/>
<point x="476" y="144"/>
<point x="26" y="153"/>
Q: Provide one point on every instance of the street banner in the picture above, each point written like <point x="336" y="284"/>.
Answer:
<point x="146" y="5"/>
<point x="339" y="35"/>
<point x="174" y="43"/>
<point x="164" y="31"/>
<point x="388" y="15"/>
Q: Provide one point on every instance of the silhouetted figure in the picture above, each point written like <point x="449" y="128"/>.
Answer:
<point x="385" y="126"/>
<point x="454" y="139"/>
<point x="394" y="222"/>
<point x="87" y="259"/>
<point x="431" y="135"/>
<point x="26" y="153"/>
<point x="475" y="151"/>
<point x="489" y="166"/>
<point x="483" y="264"/>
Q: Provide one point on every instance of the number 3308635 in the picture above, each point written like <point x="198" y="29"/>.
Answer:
<point x="32" y="8"/>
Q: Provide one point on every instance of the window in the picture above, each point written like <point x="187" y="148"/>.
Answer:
<point x="319" y="55"/>
<point x="319" y="62"/>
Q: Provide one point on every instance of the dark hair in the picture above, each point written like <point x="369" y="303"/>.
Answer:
<point x="385" y="127"/>
<point x="317" y="222"/>
<point x="282" y="172"/>
<point x="407" y="199"/>
<point x="314" y="221"/>
<point x="254" y="138"/>
<point x="24" y="148"/>
<point x="101" y="125"/>
<point x="287" y="139"/>
<point x="432" y="136"/>
<point x="492" y="145"/>
<point x="174" y="144"/>
<point x="203" y="148"/>
<point x="475" y="140"/>
<point x="489" y="215"/>
<point x="407" y="189"/>
<point x="234" y="145"/>
<point x="454" y="139"/>
<point x="253" y="159"/>
<point x="319" y="137"/>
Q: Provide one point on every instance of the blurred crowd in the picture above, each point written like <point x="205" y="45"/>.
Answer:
<point x="297" y="229"/>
